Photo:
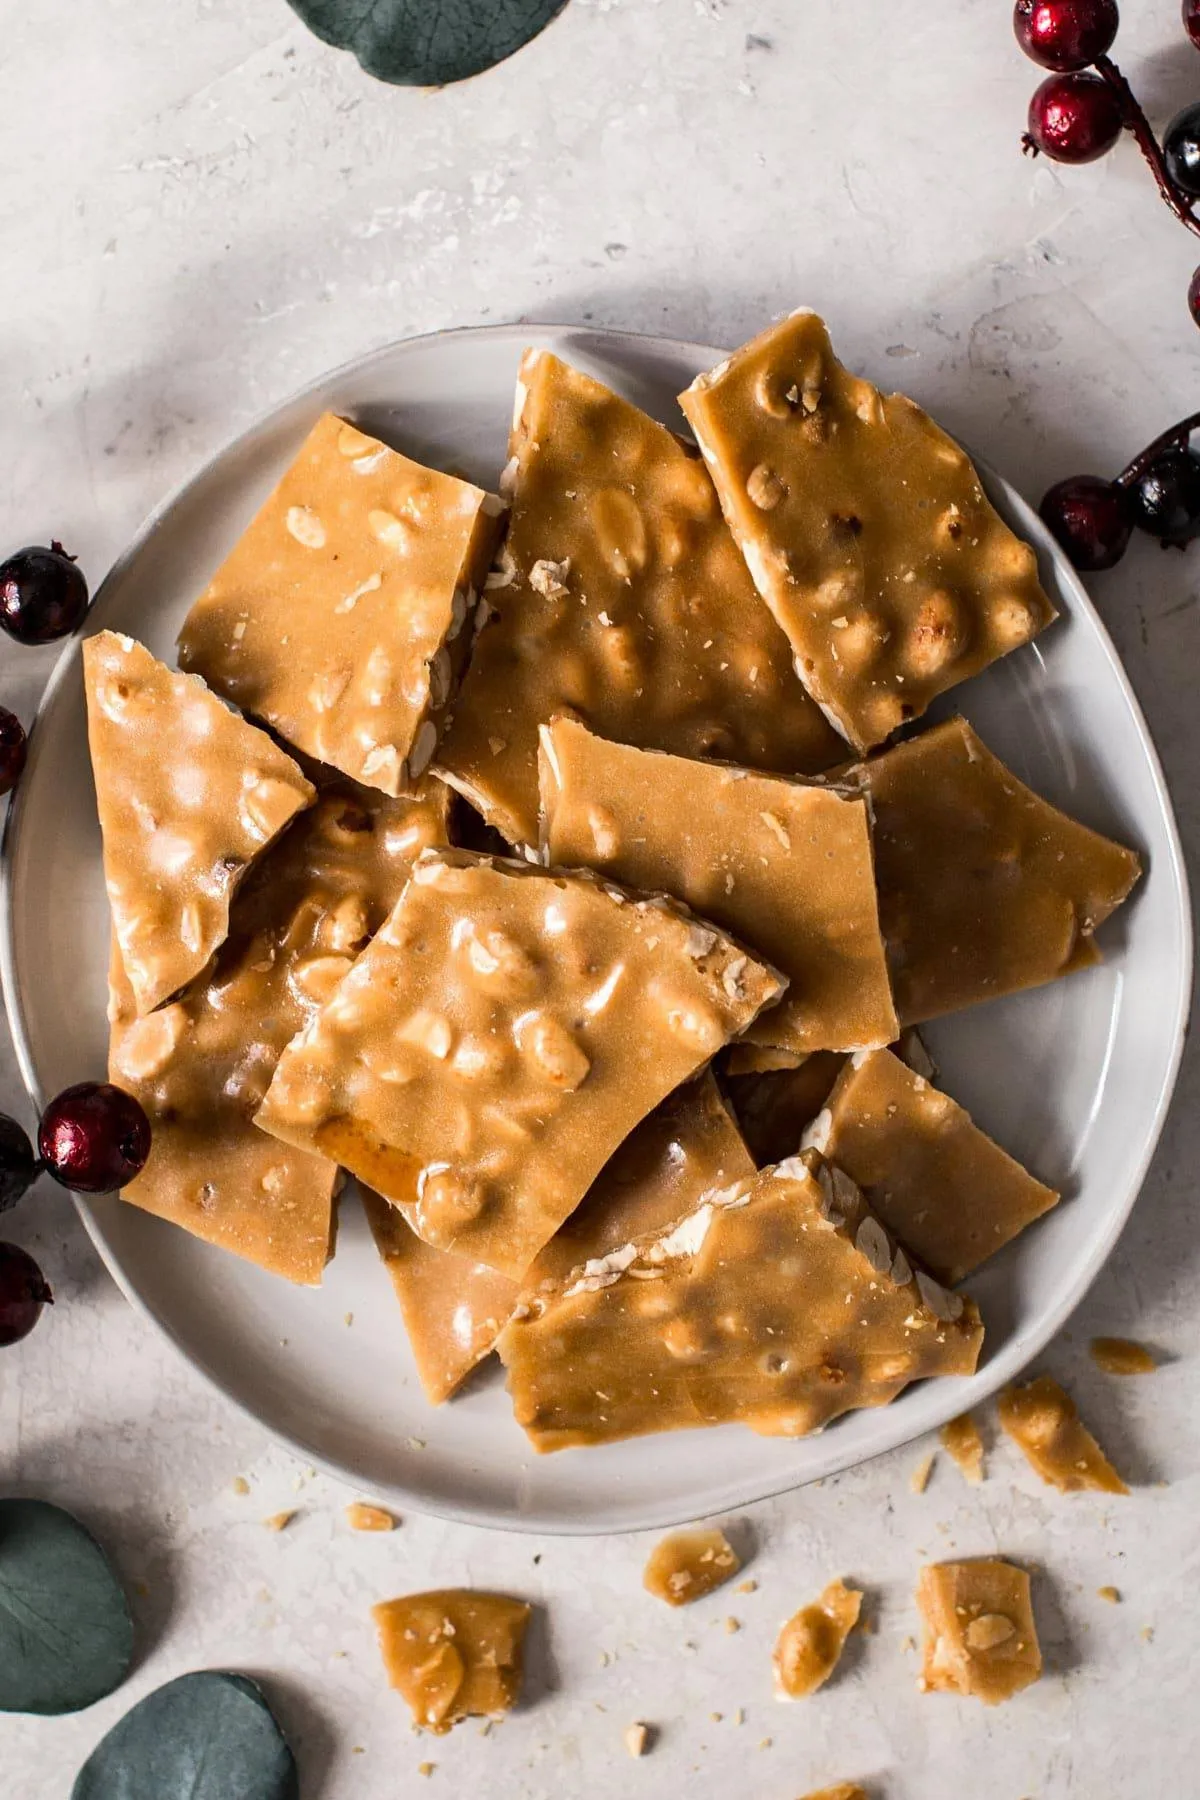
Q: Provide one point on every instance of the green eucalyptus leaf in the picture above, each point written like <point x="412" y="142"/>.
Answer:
<point x="209" y="1736"/>
<point x="66" y="1637"/>
<point x="427" y="43"/>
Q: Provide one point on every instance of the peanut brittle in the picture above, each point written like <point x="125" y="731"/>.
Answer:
<point x="455" y="1309"/>
<point x="345" y="612"/>
<point x="200" y="1066"/>
<point x="984" y="888"/>
<point x="809" y="1647"/>
<point x="1043" y="1422"/>
<point x="620" y="597"/>
<point x="980" y="1636"/>
<point x="780" y="1302"/>
<point x="865" y="527"/>
<point x="782" y="865"/>
<point x="689" y="1565"/>
<point x="950" y="1194"/>
<point x="773" y="1106"/>
<point x="453" y="1653"/>
<point x="189" y="795"/>
<point x="502" y="1035"/>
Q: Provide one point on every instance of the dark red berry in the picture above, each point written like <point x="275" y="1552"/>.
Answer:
<point x="1090" y="519"/>
<point x="1181" y="151"/>
<point x="1066" y="34"/>
<point x="43" y="595"/>
<point x="1194" y="297"/>
<point x="94" y="1137"/>
<point x="1191" y="20"/>
<point x="1165" y="498"/>
<point x="1074" y="118"/>
<point x="12" y="750"/>
<point x="23" y="1293"/>
<point x="17" y="1166"/>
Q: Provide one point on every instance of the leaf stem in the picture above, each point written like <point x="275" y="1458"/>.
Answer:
<point x="1139" y="126"/>
<point x="1175" y="438"/>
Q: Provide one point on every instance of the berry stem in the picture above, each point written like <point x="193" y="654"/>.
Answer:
<point x="1175" y="438"/>
<point x="1139" y="126"/>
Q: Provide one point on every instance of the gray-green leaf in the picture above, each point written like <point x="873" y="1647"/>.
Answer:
<point x="66" y="1637"/>
<point x="427" y="43"/>
<point x="209" y="1736"/>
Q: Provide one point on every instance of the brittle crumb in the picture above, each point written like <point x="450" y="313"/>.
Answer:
<point x="638" y="1739"/>
<point x="279" y="1521"/>
<point x="240" y="1485"/>
<point x="746" y="1587"/>
<point x="1111" y="1594"/>
<point x="426" y="1768"/>
<point x="732" y="1625"/>
<point x="918" y="1481"/>
<point x="361" y="1517"/>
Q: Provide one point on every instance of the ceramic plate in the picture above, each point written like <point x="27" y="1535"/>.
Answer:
<point x="1074" y="1079"/>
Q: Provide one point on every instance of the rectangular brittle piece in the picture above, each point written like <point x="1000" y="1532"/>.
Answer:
<point x="980" y="1636"/>
<point x="343" y="615"/>
<point x="780" y="1303"/>
<point x="785" y="866"/>
<point x="201" y="1065"/>
<point x="501" y="1036"/>
<point x="865" y="527"/>
<point x="951" y="1195"/>
<point x="620" y="597"/>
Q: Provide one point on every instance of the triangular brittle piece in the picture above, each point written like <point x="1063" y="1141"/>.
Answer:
<point x="201" y="1065"/>
<point x="950" y="1194"/>
<point x="454" y="1309"/>
<point x="866" y="529"/>
<point x="780" y="1303"/>
<point x="500" y="1037"/>
<point x="984" y="887"/>
<point x="785" y="866"/>
<point x="189" y="795"/>
<point x="621" y="597"/>
<point x="345" y="612"/>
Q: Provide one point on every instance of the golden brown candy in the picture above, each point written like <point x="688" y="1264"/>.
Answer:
<point x="980" y="1636"/>
<point x="1042" y="1421"/>
<point x="453" y="1653"/>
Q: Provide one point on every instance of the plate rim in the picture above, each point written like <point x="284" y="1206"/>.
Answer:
<point x="987" y="1381"/>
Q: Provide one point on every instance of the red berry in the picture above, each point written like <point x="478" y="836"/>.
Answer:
<point x="1074" y="118"/>
<point x="1194" y="297"/>
<point x="43" y="595"/>
<point x="1066" y="34"/>
<point x="94" y="1137"/>
<point x="1165" y="498"/>
<point x="17" y="1167"/>
<point x="1191" y="20"/>
<point x="1090" y="519"/>
<point x="12" y="750"/>
<point x="23" y="1293"/>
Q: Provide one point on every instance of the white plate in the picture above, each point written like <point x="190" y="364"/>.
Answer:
<point x="1074" y="1079"/>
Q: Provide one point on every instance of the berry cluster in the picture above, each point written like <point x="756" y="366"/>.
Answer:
<point x="43" y="596"/>
<point x="92" y="1137"/>
<point x="1081" y="109"/>
<point x="1159" y="493"/>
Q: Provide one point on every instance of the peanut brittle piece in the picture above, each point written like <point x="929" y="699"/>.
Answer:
<point x="809" y="1647"/>
<point x="189" y="795"/>
<point x="688" y="1565"/>
<point x="845" y="1790"/>
<point x="455" y="1309"/>
<point x="950" y="1194"/>
<point x="984" y="888"/>
<point x="1043" y="1422"/>
<point x="501" y="1036"/>
<point x="784" y="866"/>
<point x="865" y="527"/>
<point x="345" y="612"/>
<point x="773" y="1106"/>
<point x="962" y="1441"/>
<point x="200" y="1066"/>
<point x="780" y="1302"/>
<point x="980" y="1636"/>
<point x="620" y="597"/>
<point x="453" y="1653"/>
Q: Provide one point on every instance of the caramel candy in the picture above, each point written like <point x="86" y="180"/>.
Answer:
<point x="1042" y="1421"/>
<point x="980" y="1638"/>
<point x="620" y="597"/>
<point x="984" y="888"/>
<point x="865" y="527"/>
<point x="688" y="1565"/>
<point x="950" y="1194"/>
<point x="189" y="795"/>
<point x="845" y="1790"/>
<point x="201" y="1066"/>
<point x="780" y="1302"/>
<point x="783" y="866"/>
<point x="501" y="1036"/>
<point x="961" y="1440"/>
<point x="453" y="1653"/>
<point x="773" y="1107"/>
<point x="809" y="1647"/>
<point x="1121" y="1356"/>
<point x="345" y="612"/>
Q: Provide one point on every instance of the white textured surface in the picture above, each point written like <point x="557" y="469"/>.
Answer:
<point x="203" y="208"/>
